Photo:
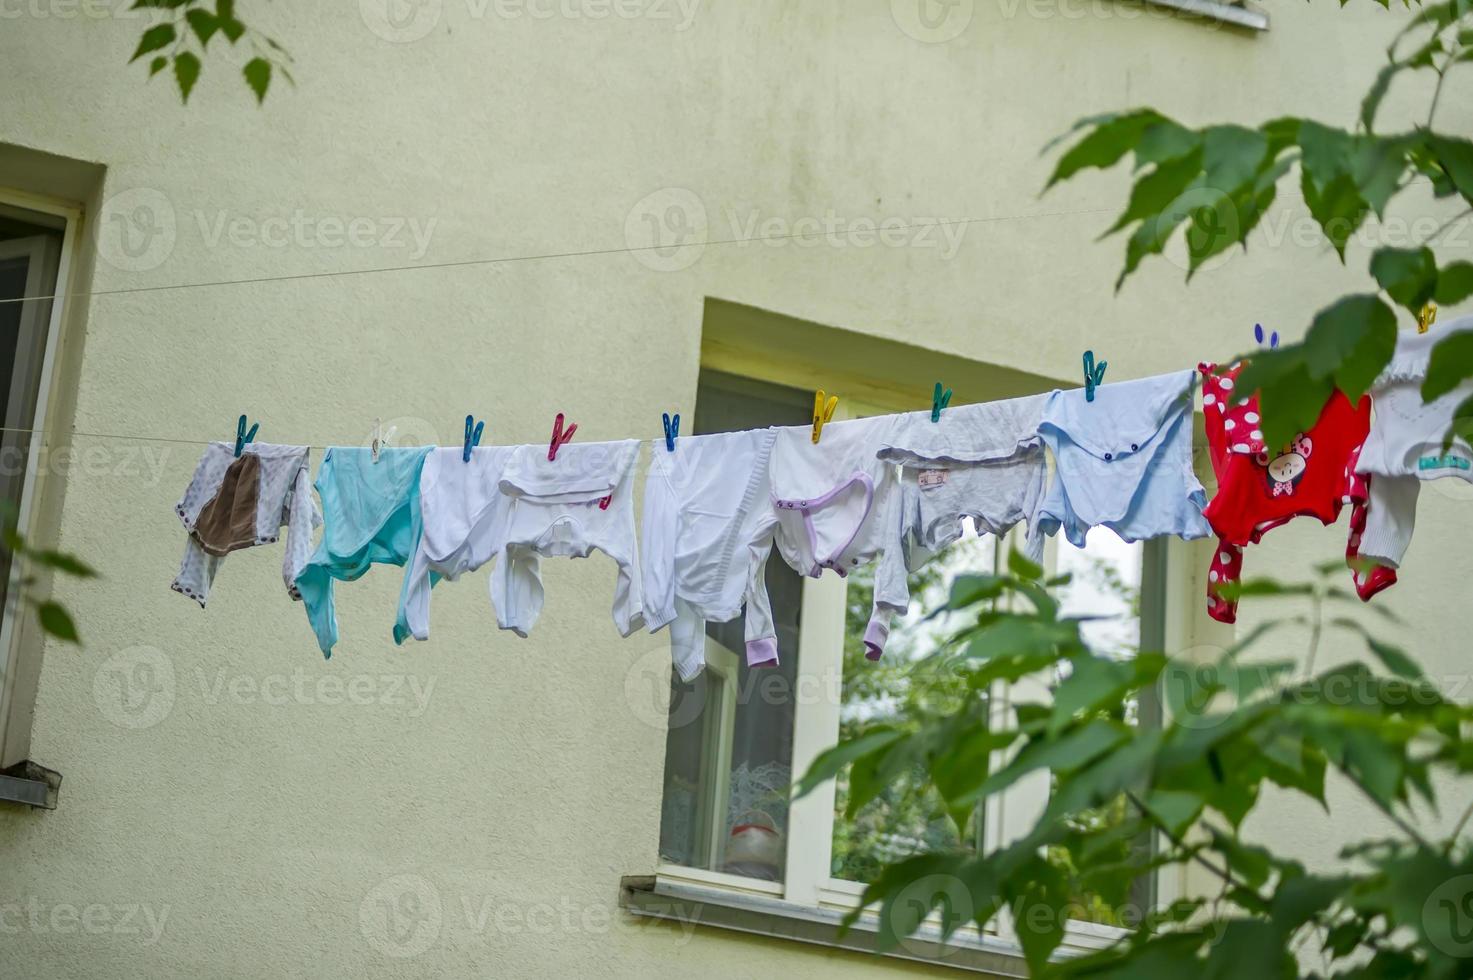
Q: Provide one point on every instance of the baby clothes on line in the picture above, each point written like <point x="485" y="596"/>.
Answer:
<point x="239" y="502"/>
<point x="567" y="507"/>
<point x="1259" y="490"/>
<point x="836" y="508"/>
<point x="984" y="461"/>
<point x="371" y="516"/>
<point x="1405" y="445"/>
<point x="705" y="538"/>
<point x="463" y="513"/>
<point x="1124" y="461"/>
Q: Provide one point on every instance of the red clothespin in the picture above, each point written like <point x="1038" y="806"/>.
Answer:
<point x="560" y="437"/>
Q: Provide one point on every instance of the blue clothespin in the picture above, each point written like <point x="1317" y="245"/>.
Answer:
<point x="939" y="401"/>
<point x="672" y="430"/>
<point x="242" y="437"/>
<point x="1094" y="376"/>
<point x="1258" y="336"/>
<point x="472" y="436"/>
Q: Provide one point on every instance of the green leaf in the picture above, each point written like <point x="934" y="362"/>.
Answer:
<point x="186" y="72"/>
<point x="831" y="761"/>
<point x="157" y="65"/>
<point x="1392" y="657"/>
<point x="1454" y="283"/>
<point x="1174" y="809"/>
<point x="1071" y="751"/>
<point x="62" y="562"/>
<point x="1338" y="208"/>
<point x="258" y="76"/>
<point x="1409" y="275"/>
<point x="1350" y="341"/>
<point x="968" y="590"/>
<point x="1231" y="156"/>
<point x="1024" y="568"/>
<point x="57" y="621"/>
<point x="1103" y="147"/>
<point x="159" y="36"/>
<point x="1017" y="636"/>
<point x="1456" y="158"/>
<point x="1290" y="397"/>
<point x="203" y="23"/>
<point x="1157" y="189"/>
<point x="1164" y="141"/>
<point x="1091" y="682"/>
<point x="1449" y="366"/>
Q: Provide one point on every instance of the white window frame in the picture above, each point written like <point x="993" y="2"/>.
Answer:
<point x="806" y="879"/>
<point x="10" y="631"/>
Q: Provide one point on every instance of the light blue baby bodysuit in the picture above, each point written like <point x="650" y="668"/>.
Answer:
<point x="371" y="514"/>
<point x="1124" y="461"/>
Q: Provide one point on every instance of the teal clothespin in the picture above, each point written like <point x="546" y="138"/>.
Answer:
<point x="1094" y="376"/>
<point x="242" y="437"/>
<point x="472" y="436"/>
<point x="939" y="401"/>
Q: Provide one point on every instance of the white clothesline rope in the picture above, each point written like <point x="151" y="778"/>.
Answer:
<point x="464" y="263"/>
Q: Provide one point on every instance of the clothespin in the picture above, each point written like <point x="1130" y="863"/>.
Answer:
<point x="939" y="401"/>
<point x="1427" y="317"/>
<point x="672" y="430"/>
<point x="472" y="436"/>
<point x="378" y="439"/>
<point x="560" y="437"/>
<point x="1273" y="342"/>
<point x="823" y="412"/>
<point x="242" y="437"/>
<point x="1093" y="376"/>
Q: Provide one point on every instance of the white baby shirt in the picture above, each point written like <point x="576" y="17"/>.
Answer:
<point x="836" y="508"/>
<point x="984" y="461"/>
<point x="283" y="498"/>
<point x="567" y="507"/>
<point x="707" y="531"/>
<point x="1124" y="461"/>
<point x="1405" y="445"/>
<point x="463" y="513"/>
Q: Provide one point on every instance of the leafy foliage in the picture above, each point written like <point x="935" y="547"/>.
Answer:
<point x="182" y="36"/>
<point x="1235" y="727"/>
<point x="1214" y="185"/>
<point x="52" y="616"/>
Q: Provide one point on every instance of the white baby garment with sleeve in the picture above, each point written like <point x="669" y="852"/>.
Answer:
<point x="567" y="507"/>
<point x="836" y="506"/>
<point x="463" y="515"/>
<point x="1124" y="461"/>
<point x="705" y="538"/>
<point x="1405" y="445"/>
<point x="984" y="461"/>
<point x="282" y="498"/>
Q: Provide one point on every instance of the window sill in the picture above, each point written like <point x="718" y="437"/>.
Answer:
<point x="1225" y="13"/>
<point x="760" y="915"/>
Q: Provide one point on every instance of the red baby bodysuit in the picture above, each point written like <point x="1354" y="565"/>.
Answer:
<point x="1258" y="490"/>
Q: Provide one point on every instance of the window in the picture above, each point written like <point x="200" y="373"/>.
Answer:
<point x="36" y="239"/>
<point x="738" y="738"/>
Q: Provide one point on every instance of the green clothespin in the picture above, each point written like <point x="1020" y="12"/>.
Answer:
<point x="939" y="401"/>
<point x="242" y="437"/>
<point x="1093" y="376"/>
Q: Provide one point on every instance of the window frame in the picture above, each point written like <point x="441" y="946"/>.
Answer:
<point x="14" y="715"/>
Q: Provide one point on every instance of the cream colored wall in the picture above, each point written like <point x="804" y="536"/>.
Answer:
<point x="265" y="830"/>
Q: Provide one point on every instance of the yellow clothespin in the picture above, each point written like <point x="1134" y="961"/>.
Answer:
<point x="823" y="411"/>
<point x="1426" y="318"/>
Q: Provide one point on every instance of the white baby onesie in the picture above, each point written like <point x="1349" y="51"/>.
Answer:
<point x="464" y="515"/>
<point x="983" y="461"/>
<point x="706" y="534"/>
<point x="836" y="508"/>
<point x="1124" y="461"/>
<point x="283" y="498"/>
<point x="566" y="507"/>
<point x="1405" y="445"/>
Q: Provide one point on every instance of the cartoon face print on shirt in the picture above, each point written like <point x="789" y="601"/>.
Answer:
<point x="1285" y="470"/>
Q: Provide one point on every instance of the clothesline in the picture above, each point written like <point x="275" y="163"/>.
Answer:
<point x="584" y="253"/>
